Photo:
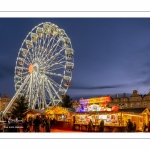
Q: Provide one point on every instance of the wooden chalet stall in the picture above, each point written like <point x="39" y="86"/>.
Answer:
<point x="33" y="113"/>
<point x="112" y="121"/>
<point x="62" y="116"/>
<point x="146" y="115"/>
<point x="96" y="109"/>
<point x="136" y="115"/>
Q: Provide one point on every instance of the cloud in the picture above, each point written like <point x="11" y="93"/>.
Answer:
<point x="96" y="87"/>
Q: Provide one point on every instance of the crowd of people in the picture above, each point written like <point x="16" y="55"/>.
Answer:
<point x="130" y="126"/>
<point x="101" y="126"/>
<point x="35" y="124"/>
<point x="12" y="124"/>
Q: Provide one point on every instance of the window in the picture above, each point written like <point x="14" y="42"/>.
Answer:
<point x="131" y="105"/>
<point x="144" y="104"/>
<point x="137" y="105"/>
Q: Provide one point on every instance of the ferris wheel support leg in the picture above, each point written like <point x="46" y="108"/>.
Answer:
<point x="55" y="91"/>
<point x="50" y="95"/>
<point x="41" y="93"/>
<point x="15" y="96"/>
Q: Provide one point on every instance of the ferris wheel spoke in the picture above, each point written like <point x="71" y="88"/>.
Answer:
<point x="55" y="48"/>
<point x="26" y="62"/>
<point x="25" y="73"/>
<point x="59" y="61"/>
<point x="50" y="51"/>
<point x="54" y="90"/>
<point x="59" y="58"/>
<point x="33" y="54"/>
<point x="30" y="90"/>
<point x="50" y="66"/>
<point x="46" y="47"/>
<point x="50" y="93"/>
<point x="30" y="55"/>
<point x="49" y="42"/>
<point x="39" y="47"/>
<point x="34" y="101"/>
<point x="44" y="39"/>
<point x="52" y="43"/>
<point x="56" y="68"/>
<point x="60" y="66"/>
<point x="55" y="83"/>
<point x="54" y="74"/>
<point x="42" y="96"/>
<point x="54" y="56"/>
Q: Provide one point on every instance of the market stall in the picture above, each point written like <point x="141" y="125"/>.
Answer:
<point x="138" y="118"/>
<point x="32" y="113"/>
<point x="112" y="121"/>
<point x="61" y="115"/>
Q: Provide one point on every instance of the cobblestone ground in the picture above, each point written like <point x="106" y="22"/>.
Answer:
<point x="52" y="130"/>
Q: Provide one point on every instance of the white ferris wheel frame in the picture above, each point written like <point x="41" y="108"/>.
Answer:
<point x="45" y="52"/>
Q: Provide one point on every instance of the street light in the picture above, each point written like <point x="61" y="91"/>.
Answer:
<point x="121" y="111"/>
<point x="1" y="113"/>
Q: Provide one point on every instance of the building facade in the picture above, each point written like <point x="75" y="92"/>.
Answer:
<point x="4" y="101"/>
<point x="134" y="101"/>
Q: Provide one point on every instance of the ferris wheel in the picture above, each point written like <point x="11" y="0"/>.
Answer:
<point x="44" y="66"/>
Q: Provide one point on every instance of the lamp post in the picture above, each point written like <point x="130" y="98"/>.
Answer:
<point x="121" y="111"/>
<point x="1" y="113"/>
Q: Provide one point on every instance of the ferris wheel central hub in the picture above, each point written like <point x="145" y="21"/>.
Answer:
<point x="33" y="68"/>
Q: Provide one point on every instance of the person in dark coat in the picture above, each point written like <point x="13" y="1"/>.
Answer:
<point x="47" y="126"/>
<point x="90" y="126"/>
<point x="134" y="127"/>
<point x="149" y="126"/>
<point x="101" y="126"/>
<point x="129" y="126"/>
<point x="37" y="123"/>
<point x="24" y="125"/>
<point x="144" y="127"/>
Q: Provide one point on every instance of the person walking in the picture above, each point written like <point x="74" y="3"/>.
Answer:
<point x="144" y="127"/>
<point x="149" y="126"/>
<point x="90" y="126"/>
<point x="101" y="126"/>
<point x="1" y="127"/>
<point x="47" y="126"/>
<point x="37" y="123"/>
<point x="24" y="125"/>
<point x="129" y="126"/>
<point x="134" y="127"/>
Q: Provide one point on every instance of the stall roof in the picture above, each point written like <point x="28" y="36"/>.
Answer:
<point x="34" y="110"/>
<point x="96" y="112"/>
<point x="70" y="109"/>
<point x="135" y="110"/>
